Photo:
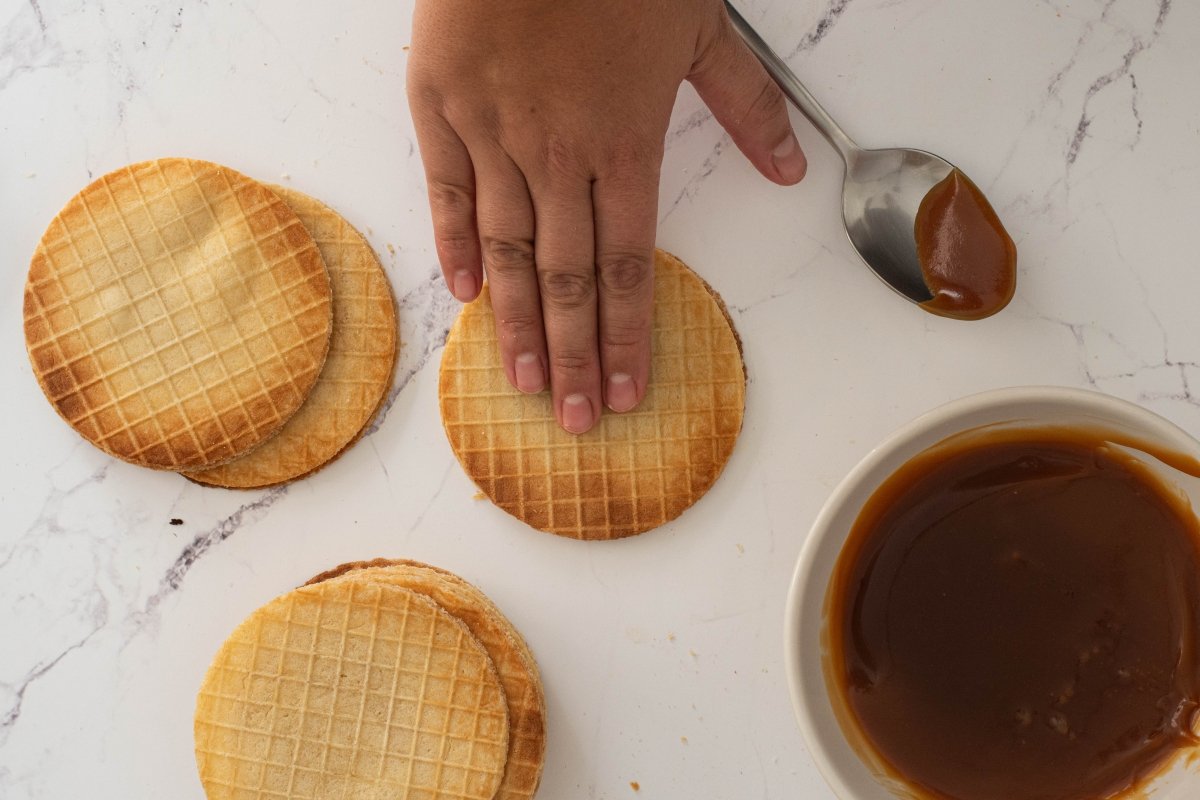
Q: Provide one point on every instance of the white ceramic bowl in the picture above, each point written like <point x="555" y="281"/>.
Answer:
<point x="848" y="774"/>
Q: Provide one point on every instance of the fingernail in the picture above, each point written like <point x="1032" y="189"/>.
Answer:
<point x="465" y="287"/>
<point x="622" y="393"/>
<point x="789" y="159"/>
<point x="577" y="413"/>
<point x="531" y="378"/>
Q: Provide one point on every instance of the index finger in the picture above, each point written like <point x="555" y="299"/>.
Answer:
<point x="451" y="179"/>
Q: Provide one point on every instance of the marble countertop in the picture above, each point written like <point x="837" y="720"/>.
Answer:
<point x="661" y="654"/>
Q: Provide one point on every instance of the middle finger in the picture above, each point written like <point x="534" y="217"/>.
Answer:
<point x="564" y="250"/>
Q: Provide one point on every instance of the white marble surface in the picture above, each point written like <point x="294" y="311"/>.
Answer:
<point x="1080" y="120"/>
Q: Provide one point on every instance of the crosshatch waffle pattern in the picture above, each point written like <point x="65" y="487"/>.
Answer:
<point x="632" y="471"/>
<point x="357" y="373"/>
<point x="177" y="313"/>
<point x="504" y="645"/>
<point x="351" y="690"/>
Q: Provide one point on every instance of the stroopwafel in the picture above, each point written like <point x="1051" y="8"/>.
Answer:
<point x="632" y="471"/>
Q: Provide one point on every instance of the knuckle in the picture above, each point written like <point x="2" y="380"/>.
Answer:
<point x="561" y="156"/>
<point x="625" y="335"/>
<point x="454" y="243"/>
<point x="422" y="93"/>
<point x="634" y="153"/>
<point x="567" y="290"/>
<point x="518" y="324"/>
<point x="624" y="275"/>
<point x="572" y="361"/>
<point x="451" y="199"/>
<point x="486" y="120"/>
<point x="504" y="255"/>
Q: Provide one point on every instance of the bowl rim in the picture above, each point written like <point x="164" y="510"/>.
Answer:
<point x="795" y="633"/>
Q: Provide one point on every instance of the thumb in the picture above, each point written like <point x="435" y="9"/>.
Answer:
<point x="748" y="104"/>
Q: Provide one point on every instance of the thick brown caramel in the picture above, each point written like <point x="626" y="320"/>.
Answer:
<point x="967" y="258"/>
<point x="1016" y="618"/>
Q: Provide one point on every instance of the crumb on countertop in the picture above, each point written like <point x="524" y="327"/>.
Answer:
<point x="683" y="739"/>
<point x="670" y="637"/>
<point x="176" y="521"/>
<point x="637" y="787"/>
<point x="479" y="496"/>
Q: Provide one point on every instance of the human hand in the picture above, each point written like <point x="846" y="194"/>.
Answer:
<point x="541" y="126"/>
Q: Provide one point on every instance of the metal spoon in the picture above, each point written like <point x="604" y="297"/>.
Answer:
<point x="882" y="189"/>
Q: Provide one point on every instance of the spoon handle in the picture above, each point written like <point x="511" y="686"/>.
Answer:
<point x="791" y="86"/>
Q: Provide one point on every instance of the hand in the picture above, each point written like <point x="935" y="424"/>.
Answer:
<point x="541" y="126"/>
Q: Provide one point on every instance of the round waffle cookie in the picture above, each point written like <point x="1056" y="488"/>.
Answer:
<point x="177" y="313"/>
<point x="504" y="645"/>
<point x="351" y="689"/>
<point x="357" y="373"/>
<point x="632" y="471"/>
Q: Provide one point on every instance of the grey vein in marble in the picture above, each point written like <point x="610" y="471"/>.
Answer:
<point x="692" y="122"/>
<point x="783" y="287"/>
<point x="47" y="524"/>
<point x="428" y="310"/>
<point x="694" y="183"/>
<point x="37" y="10"/>
<point x="10" y="716"/>
<point x="1138" y="46"/>
<point x="833" y="12"/>
<point x="202" y="542"/>
<point x="450" y="469"/>
<point x="26" y="46"/>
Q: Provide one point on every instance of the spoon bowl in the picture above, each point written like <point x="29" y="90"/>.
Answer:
<point x="881" y="195"/>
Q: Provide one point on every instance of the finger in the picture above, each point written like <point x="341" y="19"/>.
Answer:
<point x="748" y="104"/>
<point x="505" y="215"/>
<point x="451" y="179"/>
<point x="626" y="218"/>
<point x="564" y="250"/>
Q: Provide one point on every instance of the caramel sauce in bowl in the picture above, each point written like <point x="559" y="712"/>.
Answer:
<point x="849" y="738"/>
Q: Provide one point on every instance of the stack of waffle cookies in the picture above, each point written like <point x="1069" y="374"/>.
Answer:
<point x="182" y="316"/>
<point x="377" y="679"/>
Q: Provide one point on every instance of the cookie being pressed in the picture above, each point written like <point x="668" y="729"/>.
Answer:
<point x="632" y="471"/>
<point x="351" y="689"/>
<point x="177" y="313"/>
<point x="504" y="645"/>
<point x="356" y="375"/>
